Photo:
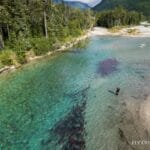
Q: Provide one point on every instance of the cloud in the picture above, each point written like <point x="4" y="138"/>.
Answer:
<point x="91" y="3"/>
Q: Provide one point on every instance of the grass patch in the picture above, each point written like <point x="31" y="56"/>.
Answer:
<point x="132" y="31"/>
<point x="115" y="29"/>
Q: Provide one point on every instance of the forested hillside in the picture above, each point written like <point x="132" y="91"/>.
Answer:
<point x="137" y="5"/>
<point x="37" y="25"/>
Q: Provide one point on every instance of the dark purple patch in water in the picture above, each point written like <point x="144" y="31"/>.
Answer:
<point x="107" y="66"/>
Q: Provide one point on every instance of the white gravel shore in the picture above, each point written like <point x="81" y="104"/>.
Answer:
<point x="141" y="31"/>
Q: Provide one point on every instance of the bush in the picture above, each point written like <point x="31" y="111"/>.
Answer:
<point x="41" y="45"/>
<point x="21" y="57"/>
<point x="132" y="31"/>
<point x="20" y="44"/>
<point x="7" y="57"/>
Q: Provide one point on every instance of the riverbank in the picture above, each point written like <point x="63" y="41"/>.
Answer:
<point x="64" y="47"/>
<point x="30" y="56"/>
<point x="133" y="31"/>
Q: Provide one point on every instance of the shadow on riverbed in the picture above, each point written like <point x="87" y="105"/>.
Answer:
<point x="69" y="132"/>
<point x="75" y="96"/>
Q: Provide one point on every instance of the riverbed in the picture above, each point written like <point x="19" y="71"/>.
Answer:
<point x="68" y="101"/>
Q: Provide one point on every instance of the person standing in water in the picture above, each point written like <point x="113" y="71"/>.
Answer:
<point x="117" y="91"/>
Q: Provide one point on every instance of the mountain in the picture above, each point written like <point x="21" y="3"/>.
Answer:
<point x="90" y="3"/>
<point x="75" y="4"/>
<point x="137" y="5"/>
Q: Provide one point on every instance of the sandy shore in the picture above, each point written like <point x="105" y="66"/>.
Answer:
<point x="140" y="31"/>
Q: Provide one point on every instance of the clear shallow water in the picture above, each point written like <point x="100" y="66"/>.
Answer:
<point x="66" y="102"/>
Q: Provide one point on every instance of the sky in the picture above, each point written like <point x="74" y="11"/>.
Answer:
<point x="91" y="3"/>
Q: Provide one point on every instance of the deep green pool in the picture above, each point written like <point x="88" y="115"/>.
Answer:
<point x="67" y="101"/>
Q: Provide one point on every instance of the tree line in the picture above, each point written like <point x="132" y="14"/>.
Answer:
<point x="142" y="6"/>
<point x="40" y="25"/>
<point x="118" y="17"/>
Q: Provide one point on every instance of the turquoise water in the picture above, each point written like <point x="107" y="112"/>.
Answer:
<point x="67" y="102"/>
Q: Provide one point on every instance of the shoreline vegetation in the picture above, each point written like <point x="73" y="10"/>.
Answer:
<point x="30" y="56"/>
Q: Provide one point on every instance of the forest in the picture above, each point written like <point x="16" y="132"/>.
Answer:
<point x="37" y="25"/>
<point x="142" y="6"/>
<point x="118" y="17"/>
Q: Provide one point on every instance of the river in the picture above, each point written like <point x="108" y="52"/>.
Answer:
<point x="67" y="101"/>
